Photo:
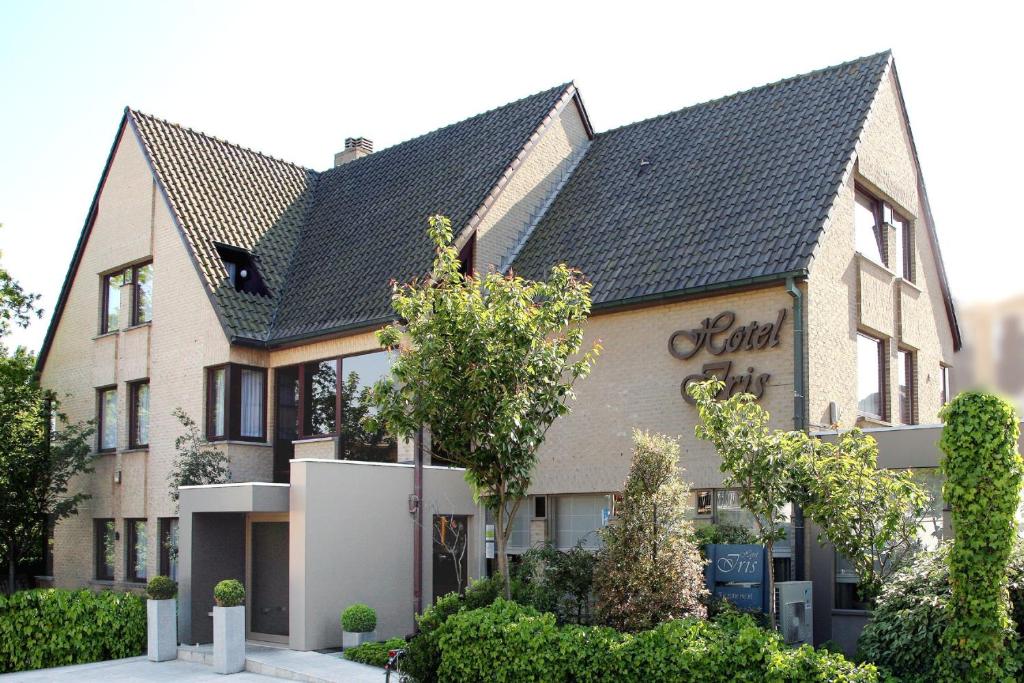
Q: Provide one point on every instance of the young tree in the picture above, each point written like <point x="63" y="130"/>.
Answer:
<point x="871" y="516"/>
<point x="650" y="569"/>
<point x="489" y="365"/>
<point x="198" y="463"/>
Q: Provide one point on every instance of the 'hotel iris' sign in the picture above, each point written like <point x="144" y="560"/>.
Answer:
<point x="719" y="337"/>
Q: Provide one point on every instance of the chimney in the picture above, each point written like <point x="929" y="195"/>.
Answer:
<point x="355" y="148"/>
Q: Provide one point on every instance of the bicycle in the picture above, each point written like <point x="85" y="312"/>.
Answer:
<point x="394" y="657"/>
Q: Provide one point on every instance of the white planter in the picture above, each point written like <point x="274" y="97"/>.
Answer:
<point x="352" y="639"/>
<point x="228" y="639"/>
<point x="162" y="630"/>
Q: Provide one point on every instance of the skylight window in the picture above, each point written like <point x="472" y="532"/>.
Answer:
<point x="242" y="273"/>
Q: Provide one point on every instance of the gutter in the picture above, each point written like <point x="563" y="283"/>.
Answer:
<point x="417" y="529"/>
<point x="799" y="412"/>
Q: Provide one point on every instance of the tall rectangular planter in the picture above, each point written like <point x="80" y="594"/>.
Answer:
<point x="228" y="639"/>
<point x="161" y="630"/>
<point x="354" y="639"/>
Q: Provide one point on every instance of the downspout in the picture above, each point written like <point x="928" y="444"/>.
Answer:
<point x="799" y="412"/>
<point x="417" y="526"/>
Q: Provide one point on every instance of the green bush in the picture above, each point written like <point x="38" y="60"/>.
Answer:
<point x="161" y="588"/>
<point x="983" y="477"/>
<point x="911" y="613"/>
<point x="714" y="534"/>
<point x="359" y="618"/>
<point x="374" y="654"/>
<point x="508" y="642"/>
<point x="53" y="627"/>
<point x="556" y="581"/>
<point x="422" y="653"/>
<point x="229" y="593"/>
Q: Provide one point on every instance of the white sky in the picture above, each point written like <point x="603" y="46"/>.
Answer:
<point x="295" y="79"/>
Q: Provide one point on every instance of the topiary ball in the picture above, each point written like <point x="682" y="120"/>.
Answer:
<point x="161" y="588"/>
<point x="359" y="618"/>
<point x="229" y="593"/>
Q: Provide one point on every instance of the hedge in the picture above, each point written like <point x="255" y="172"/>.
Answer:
<point x="374" y="654"/>
<point x="54" y="627"/>
<point x="508" y="642"/>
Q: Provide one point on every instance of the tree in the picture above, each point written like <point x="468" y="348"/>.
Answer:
<point x="198" y="463"/>
<point x="650" y="569"/>
<point x="872" y="517"/>
<point x="756" y="461"/>
<point x="489" y="364"/>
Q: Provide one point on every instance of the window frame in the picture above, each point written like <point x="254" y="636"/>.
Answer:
<point x="944" y="385"/>
<point x="883" y="401"/>
<point x="99" y="530"/>
<point x="131" y="535"/>
<point x="135" y="317"/>
<point x="105" y="300"/>
<point x="101" y="418"/>
<point x="906" y="362"/>
<point x="129" y="275"/>
<point x="878" y="211"/>
<point x="133" y="414"/>
<point x="232" y="406"/>
<point x="905" y="235"/>
<point x="164" y="526"/>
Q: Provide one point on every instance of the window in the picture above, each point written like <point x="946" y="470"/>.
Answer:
<point x="846" y="583"/>
<point x="704" y="503"/>
<point x="360" y="373"/>
<point x="320" y="397"/>
<point x="902" y="262"/>
<point x="578" y="519"/>
<point x="868" y="227"/>
<point x="135" y="530"/>
<point x="111" y="302"/>
<point x="169" y="547"/>
<point x="870" y="366"/>
<point x="236" y="402"/>
<point x="107" y="419"/>
<point x="142" y="310"/>
<point x="240" y="266"/>
<point x="103" y="548"/>
<point x="138" y="433"/>
<point x="540" y="507"/>
<point x="944" y="395"/>
<point x="905" y="361"/>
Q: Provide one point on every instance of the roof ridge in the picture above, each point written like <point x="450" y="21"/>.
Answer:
<point x="740" y="93"/>
<point x="137" y="113"/>
<point x="377" y="154"/>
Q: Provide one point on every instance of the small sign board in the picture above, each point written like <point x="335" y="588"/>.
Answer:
<point x="738" y="573"/>
<point x="489" y="542"/>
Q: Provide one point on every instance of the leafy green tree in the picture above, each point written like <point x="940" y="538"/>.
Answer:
<point x="983" y="481"/>
<point x="556" y="581"/>
<point x="756" y="460"/>
<point x="872" y="517"/>
<point x="198" y="463"/>
<point x="490" y="363"/>
<point x="650" y="569"/>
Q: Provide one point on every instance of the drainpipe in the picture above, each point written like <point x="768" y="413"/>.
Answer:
<point x="799" y="412"/>
<point x="417" y="526"/>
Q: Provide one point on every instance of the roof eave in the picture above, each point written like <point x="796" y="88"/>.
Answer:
<point x="693" y="292"/>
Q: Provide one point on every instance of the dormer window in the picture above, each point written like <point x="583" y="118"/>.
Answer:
<point x="241" y="269"/>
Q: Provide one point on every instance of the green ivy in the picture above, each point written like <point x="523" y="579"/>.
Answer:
<point x="509" y="642"/>
<point x="374" y="654"/>
<point x="983" y="478"/>
<point x="53" y="627"/>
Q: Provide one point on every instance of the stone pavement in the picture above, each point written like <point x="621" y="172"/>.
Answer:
<point x="133" y="669"/>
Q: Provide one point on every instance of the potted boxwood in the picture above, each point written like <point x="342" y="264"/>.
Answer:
<point x="358" y="625"/>
<point x="229" y="627"/>
<point x="161" y="619"/>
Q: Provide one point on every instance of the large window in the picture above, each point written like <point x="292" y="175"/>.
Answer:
<point x="868" y="227"/>
<point x="905" y="363"/>
<point x="169" y="547"/>
<point x="846" y="586"/>
<point x="236" y="403"/>
<point x="135" y="531"/>
<point x="330" y="399"/>
<point x="138" y="432"/>
<point x="103" y="548"/>
<point x="870" y="376"/>
<point x="141" y="278"/>
<point x="579" y="518"/>
<point x="107" y="419"/>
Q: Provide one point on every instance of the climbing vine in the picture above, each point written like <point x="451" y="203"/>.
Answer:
<point x="983" y="478"/>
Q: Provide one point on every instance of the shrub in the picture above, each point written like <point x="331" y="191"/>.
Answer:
<point x="374" y="654"/>
<point x="715" y="534"/>
<point x="423" y="654"/>
<point x="53" y="627"/>
<point x="983" y="477"/>
<point x="556" y="581"/>
<point x="229" y="593"/>
<point x="649" y="569"/>
<point x="359" y="618"/>
<point x="161" y="588"/>
<point x="911" y="613"/>
<point x="508" y="642"/>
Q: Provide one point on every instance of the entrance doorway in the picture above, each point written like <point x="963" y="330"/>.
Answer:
<point x="451" y="541"/>
<point x="267" y="577"/>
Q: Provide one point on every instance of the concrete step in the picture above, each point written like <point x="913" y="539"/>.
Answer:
<point x="292" y="665"/>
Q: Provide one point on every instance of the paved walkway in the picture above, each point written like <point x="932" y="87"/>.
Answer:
<point x="293" y="665"/>
<point x="135" y="669"/>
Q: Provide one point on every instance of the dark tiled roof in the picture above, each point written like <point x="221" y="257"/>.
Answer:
<point x="717" y="193"/>
<point x="367" y="225"/>
<point x="224" y="193"/>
